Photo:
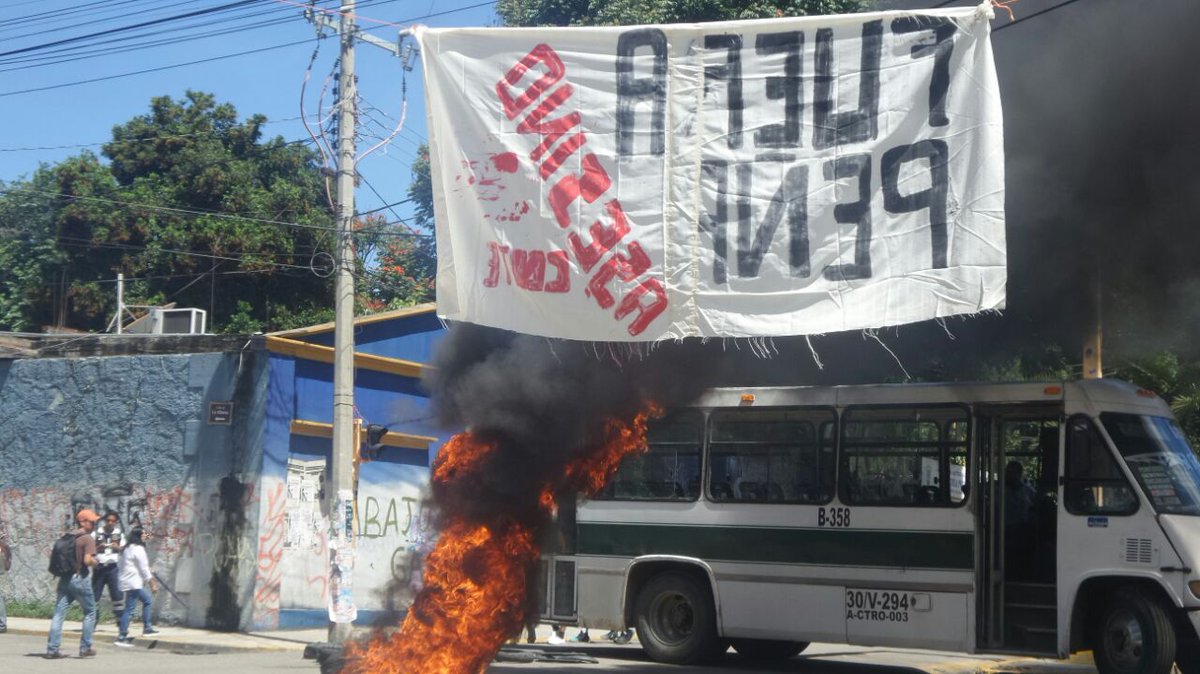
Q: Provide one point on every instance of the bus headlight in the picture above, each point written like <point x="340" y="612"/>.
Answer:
<point x="1194" y="586"/>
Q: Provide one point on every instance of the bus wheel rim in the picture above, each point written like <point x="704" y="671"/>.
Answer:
<point x="1124" y="640"/>
<point x="674" y="617"/>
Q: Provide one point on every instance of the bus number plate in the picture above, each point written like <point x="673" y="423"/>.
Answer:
<point x="877" y="605"/>
<point x="833" y="517"/>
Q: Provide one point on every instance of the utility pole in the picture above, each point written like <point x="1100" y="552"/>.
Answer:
<point x="120" y="301"/>
<point x="345" y="444"/>
<point x="342" y="487"/>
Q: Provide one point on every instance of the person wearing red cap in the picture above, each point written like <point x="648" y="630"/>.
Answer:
<point x="77" y="587"/>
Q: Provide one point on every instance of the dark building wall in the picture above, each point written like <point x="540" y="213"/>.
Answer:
<point x="131" y="433"/>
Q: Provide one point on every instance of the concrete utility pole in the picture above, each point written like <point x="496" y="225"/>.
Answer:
<point x="345" y="444"/>
<point x="120" y="301"/>
<point x="342" y="487"/>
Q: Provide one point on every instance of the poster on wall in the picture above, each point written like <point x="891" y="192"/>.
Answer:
<point x="728" y="179"/>
<point x="342" y="608"/>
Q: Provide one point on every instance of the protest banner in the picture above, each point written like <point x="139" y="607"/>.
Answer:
<point x="751" y="178"/>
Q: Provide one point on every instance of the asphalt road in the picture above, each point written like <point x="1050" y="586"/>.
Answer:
<point x="20" y="653"/>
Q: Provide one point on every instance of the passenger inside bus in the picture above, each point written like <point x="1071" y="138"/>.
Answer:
<point x="1018" y="515"/>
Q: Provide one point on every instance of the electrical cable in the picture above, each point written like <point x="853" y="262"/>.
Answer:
<point x="187" y="253"/>
<point x="206" y="60"/>
<point x="146" y="139"/>
<point x="168" y="209"/>
<point x="1035" y="14"/>
<point x="152" y="22"/>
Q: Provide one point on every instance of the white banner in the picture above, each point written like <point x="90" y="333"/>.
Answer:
<point x="752" y="178"/>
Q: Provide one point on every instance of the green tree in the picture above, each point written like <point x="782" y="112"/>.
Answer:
<point x="1176" y="380"/>
<point x="403" y="256"/>
<point x="193" y="204"/>
<point x="628" y="12"/>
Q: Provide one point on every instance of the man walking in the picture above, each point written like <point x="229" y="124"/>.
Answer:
<point x="109" y="542"/>
<point x="75" y="586"/>
<point x="5" y="566"/>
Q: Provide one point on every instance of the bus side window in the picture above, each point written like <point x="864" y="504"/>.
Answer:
<point x="771" y="455"/>
<point x="1095" y="484"/>
<point x="669" y="469"/>
<point x="904" y="456"/>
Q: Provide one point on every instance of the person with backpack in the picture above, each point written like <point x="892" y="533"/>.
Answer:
<point x="133" y="575"/>
<point x="71" y="560"/>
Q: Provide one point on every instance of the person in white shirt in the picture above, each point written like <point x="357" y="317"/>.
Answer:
<point x="134" y="577"/>
<point x="109" y="542"/>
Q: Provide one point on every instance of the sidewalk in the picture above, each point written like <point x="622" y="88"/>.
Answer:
<point x="200" y="641"/>
<point x="180" y="639"/>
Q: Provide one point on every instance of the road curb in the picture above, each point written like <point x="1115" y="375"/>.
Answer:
<point x="173" y="645"/>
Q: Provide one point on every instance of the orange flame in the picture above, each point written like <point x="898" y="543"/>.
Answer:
<point x="475" y="578"/>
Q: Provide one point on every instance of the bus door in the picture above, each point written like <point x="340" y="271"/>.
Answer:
<point x="1017" y="508"/>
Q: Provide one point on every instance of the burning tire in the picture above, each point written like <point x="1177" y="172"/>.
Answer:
<point x="676" y="619"/>
<point x="765" y="650"/>
<point x="1133" y="635"/>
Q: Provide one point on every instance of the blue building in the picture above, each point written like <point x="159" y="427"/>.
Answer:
<point x="218" y="445"/>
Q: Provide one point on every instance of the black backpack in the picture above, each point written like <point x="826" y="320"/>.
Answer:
<point x="62" y="556"/>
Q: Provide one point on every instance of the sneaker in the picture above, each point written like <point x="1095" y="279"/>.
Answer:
<point x="623" y="638"/>
<point x="54" y="655"/>
<point x="89" y="653"/>
<point x="556" y="640"/>
<point x="124" y="642"/>
<point x="582" y="638"/>
<point x="150" y="632"/>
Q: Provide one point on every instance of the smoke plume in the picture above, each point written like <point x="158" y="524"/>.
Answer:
<point x="544" y="402"/>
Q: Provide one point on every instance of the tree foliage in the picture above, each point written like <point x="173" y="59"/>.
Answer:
<point x="629" y="12"/>
<point x="195" y="206"/>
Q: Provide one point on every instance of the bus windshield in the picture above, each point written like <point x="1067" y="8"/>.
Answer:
<point x="1159" y="457"/>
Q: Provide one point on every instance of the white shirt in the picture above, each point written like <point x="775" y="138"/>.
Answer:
<point x="103" y="556"/>
<point x="133" y="569"/>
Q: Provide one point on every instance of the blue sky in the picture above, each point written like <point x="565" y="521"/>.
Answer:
<point x="81" y="116"/>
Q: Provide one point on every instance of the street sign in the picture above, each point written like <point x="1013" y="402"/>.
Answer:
<point x="220" y="413"/>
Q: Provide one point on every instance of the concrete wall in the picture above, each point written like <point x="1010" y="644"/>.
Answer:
<point x="131" y="433"/>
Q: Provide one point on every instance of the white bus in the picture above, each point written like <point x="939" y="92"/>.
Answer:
<point x="1036" y="519"/>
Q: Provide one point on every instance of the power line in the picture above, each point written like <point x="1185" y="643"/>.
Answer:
<point x="92" y="21"/>
<point x="169" y="209"/>
<point x="145" y="139"/>
<point x="71" y="241"/>
<point x="215" y="58"/>
<point x="1035" y="14"/>
<point x="153" y="70"/>
<point x="155" y="37"/>
<point x="152" y="22"/>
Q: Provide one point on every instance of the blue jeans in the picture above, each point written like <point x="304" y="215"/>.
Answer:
<point x="130" y="595"/>
<point x="73" y="588"/>
<point x="106" y="575"/>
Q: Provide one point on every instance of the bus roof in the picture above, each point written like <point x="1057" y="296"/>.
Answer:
<point x="1106" y="393"/>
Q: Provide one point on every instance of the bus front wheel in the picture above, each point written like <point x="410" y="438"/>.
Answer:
<point x="1133" y="635"/>
<point x="765" y="650"/>
<point x="676" y="619"/>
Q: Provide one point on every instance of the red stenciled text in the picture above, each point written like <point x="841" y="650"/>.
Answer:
<point x="603" y="249"/>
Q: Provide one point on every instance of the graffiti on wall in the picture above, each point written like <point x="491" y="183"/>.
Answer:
<point x="268" y="573"/>
<point x="32" y="519"/>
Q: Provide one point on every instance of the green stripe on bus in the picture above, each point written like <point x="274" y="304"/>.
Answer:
<point x="849" y="547"/>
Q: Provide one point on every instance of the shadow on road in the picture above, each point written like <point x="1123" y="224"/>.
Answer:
<point x="627" y="658"/>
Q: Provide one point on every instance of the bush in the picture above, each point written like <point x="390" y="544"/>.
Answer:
<point x="18" y="608"/>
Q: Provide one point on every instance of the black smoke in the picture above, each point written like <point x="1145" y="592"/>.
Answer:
<point x="1101" y="111"/>
<point x="1103" y="188"/>
<point x="544" y="403"/>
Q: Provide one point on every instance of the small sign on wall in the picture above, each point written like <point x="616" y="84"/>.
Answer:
<point x="220" y="413"/>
